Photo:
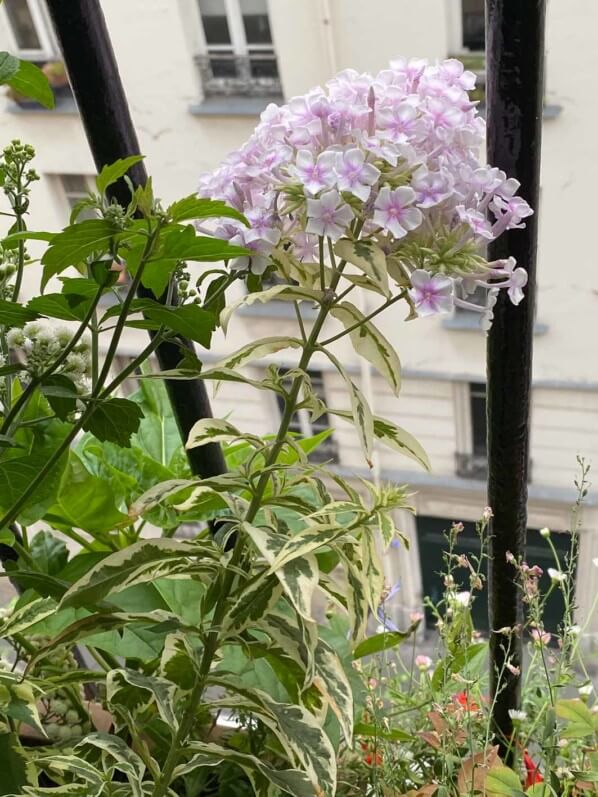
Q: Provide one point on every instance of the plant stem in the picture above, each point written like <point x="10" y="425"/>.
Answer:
<point x="367" y="318"/>
<point x="213" y="637"/>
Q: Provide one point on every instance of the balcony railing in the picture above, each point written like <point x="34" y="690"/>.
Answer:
<point x="227" y="74"/>
<point x="471" y="466"/>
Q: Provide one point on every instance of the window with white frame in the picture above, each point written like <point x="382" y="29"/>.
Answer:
<point x="303" y="426"/>
<point x="470" y="412"/>
<point x="30" y="30"/>
<point x="76" y="187"/>
<point x="238" y="56"/>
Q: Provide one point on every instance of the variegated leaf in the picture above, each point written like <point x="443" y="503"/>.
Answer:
<point x="298" y="579"/>
<point x="297" y="730"/>
<point x="291" y="635"/>
<point x="124" y="759"/>
<point x="155" y="495"/>
<point x="370" y="343"/>
<point x="289" y="781"/>
<point x="178" y="662"/>
<point x="253" y="602"/>
<point x="387" y="527"/>
<point x="306" y="541"/>
<point x="394" y="437"/>
<point x="255" y="351"/>
<point x="134" y="691"/>
<point x="20" y="700"/>
<point x="356" y="595"/>
<point x="373" y="570"/>
<point x="284" y="293"/>
<point x="211" y="430"/>
<point x="75" y="766"/>
<point x="367" y="256"/>
<point x="139" y="562"/>
<point x="331" y="680"/>
<point x="305" y="274"/>
<point x="361" y="413"/>
<point x="25" y="616"/>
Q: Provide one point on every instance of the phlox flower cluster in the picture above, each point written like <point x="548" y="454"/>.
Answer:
<point x="393" y="158"/>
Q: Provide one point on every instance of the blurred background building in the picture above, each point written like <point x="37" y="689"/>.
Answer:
<point x="199" y="72"/>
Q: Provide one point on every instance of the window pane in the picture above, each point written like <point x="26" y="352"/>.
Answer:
<point x="224" y="66"/>
<point x="477" y="393"/>
<point x="215" y="23"/>
<point x="74" y="184"/>
<point x="263" y="64"/>
<point x="22" y="24"/>
<point x="256" y="22"/>
<point x="474" y="24"/>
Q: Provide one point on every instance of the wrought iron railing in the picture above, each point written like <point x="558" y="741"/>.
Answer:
<point x="227" y="74"/>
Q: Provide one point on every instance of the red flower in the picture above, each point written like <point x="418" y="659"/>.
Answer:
<point x="371" y="759"/>
<point x="532" y="770"/>
<point x="464" y="701"/>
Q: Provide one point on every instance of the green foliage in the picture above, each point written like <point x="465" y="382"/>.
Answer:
<point x="27" y="80"/>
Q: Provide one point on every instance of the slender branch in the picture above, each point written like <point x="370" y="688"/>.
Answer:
<point x="213" y="637"/>
<point x="367" y="318"/>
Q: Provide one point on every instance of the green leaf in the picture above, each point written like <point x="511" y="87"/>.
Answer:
<point x="114" y="171"/>
<point x="69" y="307"/>
<point x="26" y="235"/>
<point x="15" y="315"/>
<point x="160" y="492"/>
<point x="392" y="735"/>
<point x="49" y="552"/>
<point x="306" y="541"/>
<point x="115" y="420"/>
<point x="502" y="780"/>
<point x="367" y="256"/>
<point x="194" y="207"/>
<point x="79" y="286"/>
<point x="581" y="721"/>
<point x="178" y="662"/>
<point x="133" y="691"/>
<point x="188" y="320"/>
<point x="135" y="564"/>
<point x="61" y="393"/>
<point x="9" y="66"/>
<point x="185" y="244"/>
<point x="85" y="501"/>
<point x="31" y="82"/>
<point x="17" y="770"/>
<point x="207" y="754"/>
<point x="74" y="244"/>
<point x="379" y="642"/>
<point x="16" y="476"/>
<point x="370" y="343"/>
<point x="60" y="765"/>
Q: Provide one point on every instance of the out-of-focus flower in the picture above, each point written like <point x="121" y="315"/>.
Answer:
<point x="532" y="771"/>
<point x="423" y="662"/>
<point x="463" y="700"/>
<point x="540" y="637"/>
<point x="557" y="576"/>
<point x="517" y="716"/>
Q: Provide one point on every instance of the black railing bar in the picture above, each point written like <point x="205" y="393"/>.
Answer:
<point x="100" y="96"/>
<point x="514" y="94"/>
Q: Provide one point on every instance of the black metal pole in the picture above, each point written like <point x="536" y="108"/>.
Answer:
<point x="514" y="93"/>
<point x="93" y="74"/>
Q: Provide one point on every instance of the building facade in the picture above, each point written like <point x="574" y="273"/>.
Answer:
<point x="197" y="74"/>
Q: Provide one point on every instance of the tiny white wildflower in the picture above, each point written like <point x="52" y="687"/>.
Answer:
<point x="517" y="716"/>
<point x="557" y="576"/>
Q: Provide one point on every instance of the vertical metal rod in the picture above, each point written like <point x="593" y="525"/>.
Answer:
<point x="93" y="73"/>
<point x="514" y="95"/>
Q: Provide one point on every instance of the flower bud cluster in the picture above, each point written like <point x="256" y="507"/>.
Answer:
<point x="393" y="158"/>
<point x="41" y="344"/>
<point x="16" y="176"/>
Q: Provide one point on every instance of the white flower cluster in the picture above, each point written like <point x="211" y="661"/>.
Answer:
<point x="41" y="344"/>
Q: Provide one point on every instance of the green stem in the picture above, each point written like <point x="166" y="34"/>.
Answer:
<point x="213" y="637"/>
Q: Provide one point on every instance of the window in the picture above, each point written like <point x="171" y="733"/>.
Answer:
<point x="76" y="187"/>
<point x="473" y="25"/>
<point x="432" y="542"/>
<point x="303" y="426"/>
<point x="471" y="459"/>
<point x="477" y="403"/>
<point x="238" y="57"/>
<point x="30" y="30"/>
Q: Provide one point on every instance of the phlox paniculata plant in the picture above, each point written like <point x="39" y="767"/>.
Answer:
<point x="392" y="159"/>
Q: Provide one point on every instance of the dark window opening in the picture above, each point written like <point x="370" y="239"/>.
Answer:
<point x="22" y="24"/>
<point x="477" y="403"/>
<point x="473" y="20"/>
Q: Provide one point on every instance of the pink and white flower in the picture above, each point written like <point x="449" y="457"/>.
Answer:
<point x="328" y="216"/>
<point x="354" y="174"/>
<point x="393" y="211"/>
<point x="431" y="294"/>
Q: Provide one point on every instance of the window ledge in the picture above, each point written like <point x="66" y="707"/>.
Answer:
<point x="471" y="321"/>
<point x="276" y="309"/>
<point x="232" y="105"/>
<point x="64" y="105"/>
